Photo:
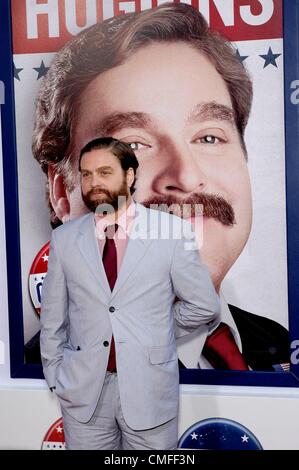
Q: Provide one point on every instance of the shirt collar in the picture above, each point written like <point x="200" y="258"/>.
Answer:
<point x="124" y="221"/>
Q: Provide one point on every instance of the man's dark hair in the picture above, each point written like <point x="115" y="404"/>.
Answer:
<point x="121" y="150"/>
<point x="110" y="43"/>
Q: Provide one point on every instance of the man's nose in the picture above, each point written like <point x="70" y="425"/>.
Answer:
<point x="180" y="174"/>
<point x="95" y="180"/>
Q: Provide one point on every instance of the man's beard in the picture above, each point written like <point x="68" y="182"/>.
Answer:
<point x="212" y="206"/>
<point x="111" y="200"/>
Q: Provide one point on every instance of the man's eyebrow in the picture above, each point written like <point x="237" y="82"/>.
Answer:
<point x="212" y="111"/>
<point x="117" y="121"/>
<point x="104" y="167"/>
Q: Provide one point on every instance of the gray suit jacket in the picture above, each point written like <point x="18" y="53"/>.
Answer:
<point x="77" y="322"/>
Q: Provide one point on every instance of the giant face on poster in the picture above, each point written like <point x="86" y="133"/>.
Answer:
<point x="197" y="89"/>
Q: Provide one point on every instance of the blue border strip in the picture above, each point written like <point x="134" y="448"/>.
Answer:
<point x="187" y="376"/>
<point x="291" y="73"/>
<point x="10" y="176"/>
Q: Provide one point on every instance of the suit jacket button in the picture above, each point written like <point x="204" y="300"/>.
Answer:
<point x="106" y="343"/>
<point x="112" y="309"/>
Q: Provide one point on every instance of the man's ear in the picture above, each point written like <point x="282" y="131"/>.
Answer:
<point x="58" y="195"/>
<point x="130" y="177"/>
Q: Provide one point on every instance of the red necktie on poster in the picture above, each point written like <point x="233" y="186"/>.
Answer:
<point x="222" y="351"/>
<point x="110" y="265"/>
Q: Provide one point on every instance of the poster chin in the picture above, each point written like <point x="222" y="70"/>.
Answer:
<point x="259" y="294"/>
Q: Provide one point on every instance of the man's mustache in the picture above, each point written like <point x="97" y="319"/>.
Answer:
<point x="212" y="206"/>
<point x="95" y="191"/>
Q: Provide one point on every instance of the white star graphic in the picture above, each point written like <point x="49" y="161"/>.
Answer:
<point x="194" y="436"/>
<point x="45" y="258"/>
<point x="59" y="429"/>
<point x="244" y="438"/>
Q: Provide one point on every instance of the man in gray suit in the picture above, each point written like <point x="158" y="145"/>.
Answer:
<point x="107" y="321"/>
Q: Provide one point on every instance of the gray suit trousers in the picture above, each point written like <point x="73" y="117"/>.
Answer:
<point x="108" y="430"/>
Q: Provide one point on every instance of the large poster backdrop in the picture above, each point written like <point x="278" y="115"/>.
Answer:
<point x="258" y="290"/>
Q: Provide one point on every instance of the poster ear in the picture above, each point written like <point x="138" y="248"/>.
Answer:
<point x="58" y="194"/>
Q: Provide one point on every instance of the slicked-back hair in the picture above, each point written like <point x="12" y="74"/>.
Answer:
<point x="119" y="149"/>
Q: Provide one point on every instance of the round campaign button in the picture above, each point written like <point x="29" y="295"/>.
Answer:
<point x="54" y="438"/>
<point x="37" y="275"/>
<point x="219" y="434"/>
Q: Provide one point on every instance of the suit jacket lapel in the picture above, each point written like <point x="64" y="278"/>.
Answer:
<point x="137" y="246"/>
<point x="89" y="248"/>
